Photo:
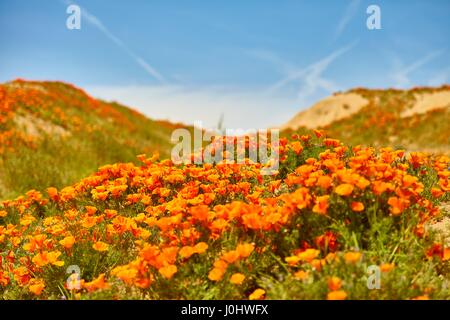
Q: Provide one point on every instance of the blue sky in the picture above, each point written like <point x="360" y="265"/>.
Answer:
<point x="257" y="62"/>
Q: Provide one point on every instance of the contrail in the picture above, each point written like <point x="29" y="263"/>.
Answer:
<point x="311" y="74"/>
<point x="93" y="20"/>
<point x="401" y="77"/>
<point x="349" y="13"/>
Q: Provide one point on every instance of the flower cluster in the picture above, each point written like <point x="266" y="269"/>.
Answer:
<point x="159" y="230"/>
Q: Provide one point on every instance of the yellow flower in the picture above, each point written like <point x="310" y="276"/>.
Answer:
<point x="36" y="286"/>
<point x="446" y="254"/>
<point x="100" y="246"/>
<point x="301" y="275"/>
<point x="308" y="255"/>
<point x="357" y="206"/>
<point x="216" y="274"/>
<point x="186" y="252"/>
<point x="97" y="284"/>
<point x="244" y="250"/>
<point x="337" y="295"/>
<point x="292" y="260"/>
<point x="334" y="283"/>
<point x="258" y="294"/>
<point x="352" y="257"/>
<point x="168" y="271"/>
<point x="344" y="189"/>
<point x="44" y="258"/>
<point x="200" y="247"/>
<point x="67" y="242"/>
<point x="237" y="278"/>
<point x="124" y="273"/>
<point x="386" y="267"/>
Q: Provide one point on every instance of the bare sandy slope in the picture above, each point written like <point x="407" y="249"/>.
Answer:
<point x="427" y="102"/>
<point x="33" y="126"/>
<point x="328" y="110"/>
<point x="342" y="105"/>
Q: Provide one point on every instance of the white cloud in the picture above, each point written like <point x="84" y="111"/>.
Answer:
<point x="242" y="108"/>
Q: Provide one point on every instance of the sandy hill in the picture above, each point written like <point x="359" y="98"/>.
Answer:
<point x="415" y="119"/>
<point x="52" y="133"/>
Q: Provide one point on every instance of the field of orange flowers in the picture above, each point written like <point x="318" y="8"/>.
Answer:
<point x="225" y="231"/>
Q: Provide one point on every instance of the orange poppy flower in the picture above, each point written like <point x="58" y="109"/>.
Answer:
<point x="36" y="286"/>
<point x="244" y="250"/>
<point x="96" y="284"/>
<point x="67" y="242"/>
<point x="344" y="189"/>
<point x="334" y="283"/>
<point x="168" y="271"/>
<point x="231" y="256"/>
<point x="200" y="247"/>
<point x="237" y="278"/>
<point x="258" y="294"/>
<point x="324" y="182"/>
<point x="446" y="254"/>
<point x="292" y="260"/>
<point x="301" y="275"/>
<point x="91" y="210"/>
<point x="337" y="295"/>
<point x="45" y="257"/>
<point x="200" y="212"/>
<point x="297" y="147"/>
<point x="53" y="193"/>
<point x="88" y="222"/>
<point x="100" y="246"/>
<point x="308" y="255"/>
<point x="186" y="252"/>
<point x="357" y="206"/>
<point x="352" y="257"/>
<point x="321" y="205"/>
<point x="318" y="133"/>
<point x="437" y="192"/>
<point x="398" y="205"/>
<point x="317" y="264"/>
<point x="220" y="264"/>
<point x="328" y="240"/>
<point x="125" y="273"/>
<point x="4" y="279"/>
<point x="216" y="274"/>
<point x="386" y="267"/>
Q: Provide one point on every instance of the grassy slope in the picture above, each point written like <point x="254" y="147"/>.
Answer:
<point x="380" y="124"/>
<point x="53" y="134"/>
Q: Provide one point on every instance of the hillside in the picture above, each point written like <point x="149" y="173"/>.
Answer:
<point x="415" y="119"/>
<point x="53" y="134"/>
